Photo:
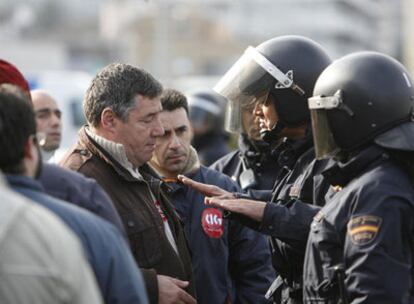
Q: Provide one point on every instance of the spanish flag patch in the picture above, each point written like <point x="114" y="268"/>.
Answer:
<point x="363" y="229"/>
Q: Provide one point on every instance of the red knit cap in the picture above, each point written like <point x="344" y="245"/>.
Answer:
<point x="10" y="74"/>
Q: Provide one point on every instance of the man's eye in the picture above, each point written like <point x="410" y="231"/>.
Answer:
<point x="42" y="115"/>
<point x="149" y="119"/>
<point x="166" y="134"/>
<point x="181" y="131"/>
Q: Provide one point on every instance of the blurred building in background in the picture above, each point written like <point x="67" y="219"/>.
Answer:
<point x="178" y="38"/>
<point x="407" y="44"/>
<point x="52" y="34"/>
<point x="174" y="38"/>
<point x="188" y="43"/>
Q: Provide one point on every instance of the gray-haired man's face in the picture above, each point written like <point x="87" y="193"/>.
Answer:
<point x="139" y="132"/>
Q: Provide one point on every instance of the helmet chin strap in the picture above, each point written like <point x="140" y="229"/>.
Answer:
<point x="273" y="135"/>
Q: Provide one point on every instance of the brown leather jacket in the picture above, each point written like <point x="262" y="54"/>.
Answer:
<point x="134" y="202"/>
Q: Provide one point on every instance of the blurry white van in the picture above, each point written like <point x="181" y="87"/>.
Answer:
<point x="68" y="88"/>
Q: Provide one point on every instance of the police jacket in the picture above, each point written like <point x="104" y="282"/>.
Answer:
<point x="230" y="261"/>
<point x="367" y="229"/>
<point x="296" y="199"/>
<point x="138" y="201"/>
<point x="253" y="155"/>
<point x="77" y="189"/>
<point x="116" y="272"/>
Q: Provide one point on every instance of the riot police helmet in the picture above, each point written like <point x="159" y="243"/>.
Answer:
<point x="284" y="70"/>
<point x="362" y="98"/>
<point x="206" y="111"/>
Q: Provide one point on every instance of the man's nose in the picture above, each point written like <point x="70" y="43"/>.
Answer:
<point x="174" y="142"/>
<point x="55" y="119"/>
<point x="257" y="111"/>
<point x="157" y="129"/>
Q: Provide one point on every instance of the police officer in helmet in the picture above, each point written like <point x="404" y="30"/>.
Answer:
<point x="206" y="109"/>
<point x="253" y="165"/>
<point x="361" y="244"/>
<point x="276" y="78"/>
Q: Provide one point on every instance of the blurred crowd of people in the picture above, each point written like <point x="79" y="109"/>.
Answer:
<point x="151" y="206"/>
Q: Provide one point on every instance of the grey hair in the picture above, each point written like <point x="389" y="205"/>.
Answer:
<point x="116" y="87"/>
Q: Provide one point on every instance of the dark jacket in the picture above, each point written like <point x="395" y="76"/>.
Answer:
<point x="367" y="229"/>
<point x="256" y="156"/>
<point x="235" y="265"/>
<point x="296" y="199"/>
<point x="134" y="202"/>
<point x="84" y="192"/>
<point x="117" y="275"/>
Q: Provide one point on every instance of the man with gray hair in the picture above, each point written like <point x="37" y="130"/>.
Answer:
<point x="122" y="107"/>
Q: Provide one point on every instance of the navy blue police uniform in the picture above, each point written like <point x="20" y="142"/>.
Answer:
<point x="360" y="247"/>
<point x="296" y="199"/>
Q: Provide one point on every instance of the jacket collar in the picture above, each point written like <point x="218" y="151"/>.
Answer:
<point x="90" y="144"/>
<point x="116" y="150"/>
<point x="253" y="146"/>
<point x="342" y="173"/>
<point x="193" y="164"/>
<point x="21" y="181"/>
<point x="290" y="150"/>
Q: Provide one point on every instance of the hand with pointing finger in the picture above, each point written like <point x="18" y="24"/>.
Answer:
<point x="207" y="190"/>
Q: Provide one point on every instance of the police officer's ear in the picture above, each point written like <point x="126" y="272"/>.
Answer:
<point x="108" y="119"/>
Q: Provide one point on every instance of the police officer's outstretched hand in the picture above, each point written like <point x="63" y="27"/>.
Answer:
<point x="250" y="208"/>
<point x="207" y="190"/>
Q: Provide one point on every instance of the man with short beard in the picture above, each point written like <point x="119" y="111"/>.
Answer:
<point x="231" y="262"/>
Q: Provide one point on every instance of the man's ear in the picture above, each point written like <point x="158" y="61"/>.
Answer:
<point x="108" y="119"/>
<point x="29" y="148"/>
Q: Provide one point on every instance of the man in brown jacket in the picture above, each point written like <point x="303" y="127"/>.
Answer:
<point x="122" y="107"/>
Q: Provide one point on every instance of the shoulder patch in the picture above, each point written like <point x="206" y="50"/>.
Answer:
<point x="363" y="229"/>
